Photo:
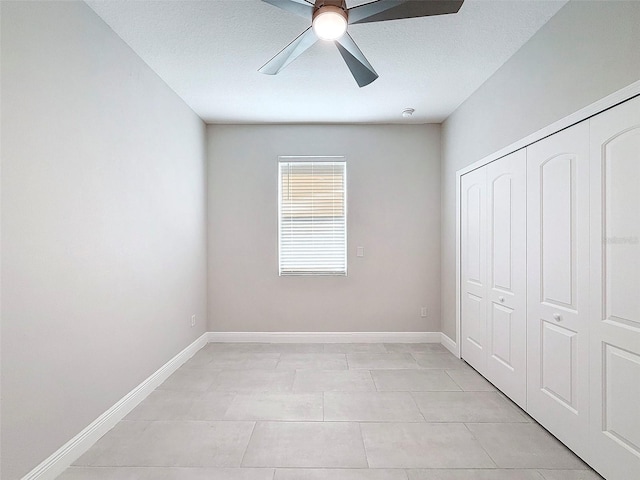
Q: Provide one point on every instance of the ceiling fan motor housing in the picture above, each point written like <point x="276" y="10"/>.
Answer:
<point x="326" y="6"/>
<point x="342" y="4"/>
<point x="330" y="21"/>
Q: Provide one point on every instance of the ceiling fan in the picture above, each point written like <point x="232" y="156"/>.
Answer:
<point x="331" y="18"/>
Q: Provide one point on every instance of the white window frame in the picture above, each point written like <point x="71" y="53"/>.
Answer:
<point x="312" y="159"/>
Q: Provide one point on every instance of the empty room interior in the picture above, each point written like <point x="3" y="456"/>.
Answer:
<point x="308" y="240"/>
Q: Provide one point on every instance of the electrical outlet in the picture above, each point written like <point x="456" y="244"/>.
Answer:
<point x="193" y="320"/>
<point x="423" y="312"/>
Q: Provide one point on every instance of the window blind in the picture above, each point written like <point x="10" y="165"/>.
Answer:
<point x="312" y="216"/>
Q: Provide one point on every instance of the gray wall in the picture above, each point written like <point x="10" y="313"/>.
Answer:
<point x="103" y="225"/>
<point x="393" y="212"/>
<point x="586" y="51"/>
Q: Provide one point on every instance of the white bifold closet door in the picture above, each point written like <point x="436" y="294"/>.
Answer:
<point x="558" y="285"/>
<point x="507" y="276"/>
<point x="474" y="268"/>
<point x="615" y="291"/>
<point x="494" y="273"/>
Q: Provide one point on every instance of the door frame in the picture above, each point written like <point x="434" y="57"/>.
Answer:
<point x="589" y="111"/>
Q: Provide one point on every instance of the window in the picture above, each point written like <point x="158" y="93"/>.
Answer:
<point x="312" y="202"/>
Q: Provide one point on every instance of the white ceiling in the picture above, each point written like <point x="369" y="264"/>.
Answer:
<point x="209" y="53"/>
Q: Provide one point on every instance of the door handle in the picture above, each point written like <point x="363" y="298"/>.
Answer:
<point x="557" y="317"/>
<point x="501" y="299"/>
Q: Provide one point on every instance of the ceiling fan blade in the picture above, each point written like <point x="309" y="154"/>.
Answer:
<point x="289" y="53"/>
<point x="360" y="68"/>
<point x="299" y="7"/>
<point x="382" y="10"/>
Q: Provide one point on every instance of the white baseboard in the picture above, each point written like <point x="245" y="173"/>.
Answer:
<point x="53" y="466"/>
<point x="449" y="344"/>
<point x="325" y="337"/>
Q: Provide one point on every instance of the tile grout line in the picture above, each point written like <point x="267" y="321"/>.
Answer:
<point x="278" y="361"/>
<point x="417" y="406"/>
<point x="375" y="385"/>
<point x="364" y="448"/>
<point x="542" y="475"/>
<point x="244" y="454"/>
<point x="481" y="446"/>
<point x="453" y="380"/>
<point x="373" y="382"/>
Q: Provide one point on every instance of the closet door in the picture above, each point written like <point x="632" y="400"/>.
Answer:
<point x="615" y="287"/>
<point x="558" y="285"/>
<point x="474" y="268"/>
<point x="506" y="275"/>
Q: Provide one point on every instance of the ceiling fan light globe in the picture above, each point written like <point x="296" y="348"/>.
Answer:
<point x="330" y="23"/>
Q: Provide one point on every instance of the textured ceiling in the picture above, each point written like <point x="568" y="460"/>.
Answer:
<point x="209" y="53"/>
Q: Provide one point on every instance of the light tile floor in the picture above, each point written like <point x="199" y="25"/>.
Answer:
<point x="334" y="411"/>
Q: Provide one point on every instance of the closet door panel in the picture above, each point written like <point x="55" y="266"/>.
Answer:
<point x="615" y="284"/>
<point x="474" y="269"/>
<point x="558" y="284"/>
<point x="558" y="346"/>
<point x="506" y="230"/>
<point x="557" y="228"/>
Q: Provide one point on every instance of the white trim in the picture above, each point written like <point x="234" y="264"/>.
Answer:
<point x="325" y="337"/>
<point x="458" y="263"/>
<point x="53" y="466"/>
<point x="622" y="95"/>
<point x="449" y="344"/>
